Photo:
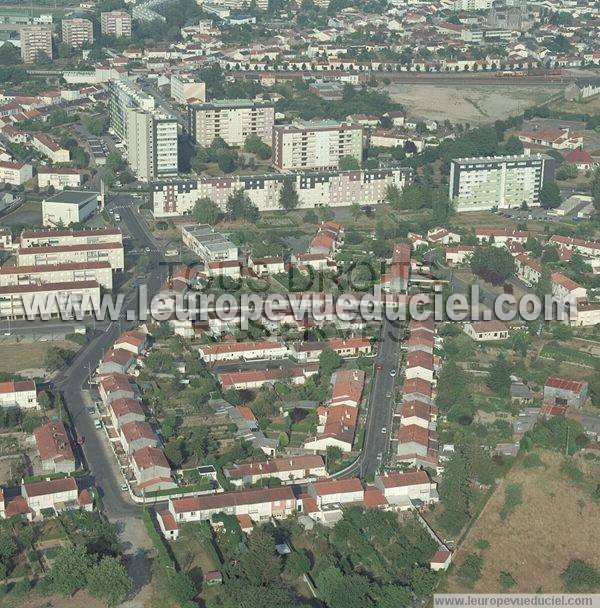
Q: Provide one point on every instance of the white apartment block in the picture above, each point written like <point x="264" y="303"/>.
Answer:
<point x="184" y="89"/>
<point x="72" y="272"/>
<point x="77" y="32"/>
<point x="116" y="24"/>
<point x="499" y="181"/>
<point x="316" y="144"/>
<point x="50" y="148"/>
<point x="16" y="300"/>
<point x="59" y="177"/>
<point x="472" y="5"/>
<point x="52" y="238"/>
<point x="151" y="144"/>
<point x="15" y="173"/>
<point x="123" y="96"/>
<point x="94" y="252"/>
<point x="231" y="119"/>
<point x="315" y="189"/>
<point x="20" y="394"/>
<point x="36" y="40"/>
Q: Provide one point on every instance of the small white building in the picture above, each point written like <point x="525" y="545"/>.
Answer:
<point x="21" y="394"/>
<point x="482" y="331"/>
<point x="59" y="177"/>
<point x="15" y="173"/>
<point x="68" y="207"/>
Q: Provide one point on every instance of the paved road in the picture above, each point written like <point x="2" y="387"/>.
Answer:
<point x="380" y="407"/>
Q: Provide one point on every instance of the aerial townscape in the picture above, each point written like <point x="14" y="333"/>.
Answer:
<point x="299" y="303"/>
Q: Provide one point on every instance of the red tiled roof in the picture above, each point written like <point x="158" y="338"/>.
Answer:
<point x="52" y="442"/>
<point x="403" y="479"/>
<point x="337" y="486"/>
<point x="53" y="486"/>
<point x="567" y="384"/>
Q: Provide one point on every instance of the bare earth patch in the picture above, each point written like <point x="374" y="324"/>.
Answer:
<point x="474" y="104"/>
<point x="556" y="522"/>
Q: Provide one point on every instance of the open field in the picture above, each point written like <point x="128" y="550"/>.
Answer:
<point x="556" y="522"/>
<point x="17" y="357"/>
<point x="473" y="104"/>
<point x="589" y="106"/>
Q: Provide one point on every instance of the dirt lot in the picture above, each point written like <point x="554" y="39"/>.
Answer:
<point x="557" y="521"/>
<point x="473" y="104"/>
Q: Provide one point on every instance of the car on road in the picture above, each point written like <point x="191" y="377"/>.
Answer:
<point x="378" y="366"/>
<point x="171" y="252"/>
<point x="91" y="410"/>
<point x="392" y="372"/>
<point x="388" y="395"/>
<point x="380" y="456"/>
<point x="384" y="430"/>
<point x="97" y="424"/>
<point x="147" y="249"/>
<point x="124" y="487"/>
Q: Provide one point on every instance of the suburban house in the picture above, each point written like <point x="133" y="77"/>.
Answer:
<point x="337" y="427"/>
<point x="482" y="331"/>
<point x="260" y="504"/>
<point x="565" y="392"/>
<point x="419" y="364"/>
<point x="116" y="361"/>
<point x="19" y="393"/>
<point x="54" y="447"/>
<point x="137" y="435"/>
<point x="151" y="470"/>
<point x="266" y="266"/>
<point x="133" y="341"/>
<point x="32" y="499"/>
<point x="411" y="486"/>
<point x="293" y="468"/>
<point x="346" y="348"/>
<point x="116" y="386"/>
<point x="232" y="351"/>
<point x="125" y="410"/>
<point x="336" y="491"/>
<point x="347" y="387"/>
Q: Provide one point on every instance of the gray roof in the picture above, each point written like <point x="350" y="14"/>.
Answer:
<point x="77" y="197"/>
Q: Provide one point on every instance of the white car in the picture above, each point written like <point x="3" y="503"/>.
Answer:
<point x="384" y="430"/>
<point x="392" y="372"/>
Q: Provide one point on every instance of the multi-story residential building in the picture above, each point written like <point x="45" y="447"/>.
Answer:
<point x="315" y="189"/>
<point x="36" y="43"/>
<point x="122" y="96"/>
<point x="185" y="89"/>
<point x="20" y="394"/>
<point x="15" y="173"/>
<point x="59" y="177"/>
<point x="116" y="24"/>
<point x="52" y="238"/>
<point x="63" y="254"/>
<point x="316" y="144"/>
<point x="231" y="119"/>
<point x="101" y="272"/>
<point x="151" y="144"/>
<point x="15" y="300"/>
<point x="77" y="32"/>
<point x="207" y="244"/>
<point x="499" y="181"/>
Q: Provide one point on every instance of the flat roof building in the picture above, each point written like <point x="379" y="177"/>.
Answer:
<point x="69" y="207"/>
<point x="207" y="244"/>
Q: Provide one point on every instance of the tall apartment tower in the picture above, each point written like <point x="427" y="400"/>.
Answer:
<point x="151" y="144"/>
<point x="499" y="181"/>
<point x="35" y="40"/>
<point x="122" y="96"/>
<point x="231" y="119"/>
<point x="116" y="24"/>
<point x="316" y="144"/>
<point x="77" y="32"/>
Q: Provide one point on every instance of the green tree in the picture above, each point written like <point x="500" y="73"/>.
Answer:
<point x="180" y="587"/>
<point x="550" y="197"/>
<point x="513" y="146"/>
<point x="329" y="361"/>
<point x="108" y="580"/>
<point x="566" y="171"/>
<point x="493" y="264"/>
<point x="206" y="211"/>
<point x="422" y="581"/>
<point x="70" y="569"/>
<point x="498" y="379"/>
<point x="581" y="577"/>
<point x="240" y="207"/>
<point x="393" y="196"/>
<point x="259" y="564"/>
<point x="297" y="564"/>
<point x="349" y="163"/>
<point x="288" y="197"/>
<point x="355" y="211"/>
<point x="470" y="569"/>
